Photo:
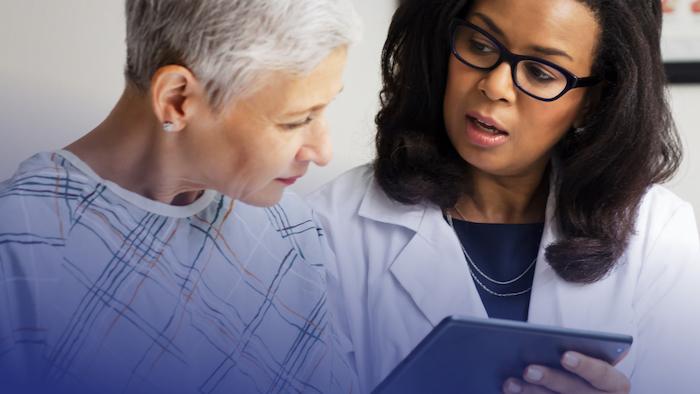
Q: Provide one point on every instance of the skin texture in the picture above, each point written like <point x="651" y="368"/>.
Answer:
<point x="509" y="183"/>
<point x="508" y="178"/>
<point x="250" y="150"/>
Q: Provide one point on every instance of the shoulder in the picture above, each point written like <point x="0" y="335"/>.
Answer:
<point x="662" y="211"/>
<point x="30" y="171"/>
<point x="37" y="189"/>
<point x="665" y="241"/>
<point x="34" y="206"/>
<point x="44" y="173"/>
<point x="659" y="201"/>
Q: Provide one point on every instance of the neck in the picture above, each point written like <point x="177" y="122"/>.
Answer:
<point x="131" y="149"/>
<point x="508" y="200"/>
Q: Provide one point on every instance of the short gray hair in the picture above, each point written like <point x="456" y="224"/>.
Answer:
<point x="230" y="44"/>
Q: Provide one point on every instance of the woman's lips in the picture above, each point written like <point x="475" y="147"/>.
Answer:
<point x="288" y="181"/>
<point x="487" y="121"/>
<point x="484" y="134"/>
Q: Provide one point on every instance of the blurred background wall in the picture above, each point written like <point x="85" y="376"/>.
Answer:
<point x="61" y="73"/>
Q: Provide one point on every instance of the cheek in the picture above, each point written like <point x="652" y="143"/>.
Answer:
<point x="459" y="83"/>
<point x="550" y="123"/>
<point x="272" y="157"/>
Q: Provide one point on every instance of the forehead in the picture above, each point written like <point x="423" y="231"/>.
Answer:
<point x="566" y="25"/>
<point x="284" y="92"/>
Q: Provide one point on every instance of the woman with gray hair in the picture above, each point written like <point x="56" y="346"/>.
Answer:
<point x="159" y="252"/>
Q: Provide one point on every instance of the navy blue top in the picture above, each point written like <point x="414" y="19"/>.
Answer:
<point x="503" y="252"/>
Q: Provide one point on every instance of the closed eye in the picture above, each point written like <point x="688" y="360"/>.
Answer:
<point x="296" y="125"/>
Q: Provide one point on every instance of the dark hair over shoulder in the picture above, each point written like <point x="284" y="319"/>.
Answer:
<point x="630" y="141"/>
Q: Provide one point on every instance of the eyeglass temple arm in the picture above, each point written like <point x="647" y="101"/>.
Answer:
<point x="585" y="82"/>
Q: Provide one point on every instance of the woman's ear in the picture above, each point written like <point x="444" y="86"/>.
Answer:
<point x="175" y="94"/>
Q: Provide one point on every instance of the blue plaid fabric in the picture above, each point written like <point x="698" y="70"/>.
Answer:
<point x="100" y="292"/>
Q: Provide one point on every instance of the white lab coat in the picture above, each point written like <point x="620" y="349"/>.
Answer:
<point x="400" y="271"/>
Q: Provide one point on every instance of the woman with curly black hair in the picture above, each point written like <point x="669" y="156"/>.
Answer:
<point x="520" y="146"/>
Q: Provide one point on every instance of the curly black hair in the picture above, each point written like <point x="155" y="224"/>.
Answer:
<point x="631" y="140"/>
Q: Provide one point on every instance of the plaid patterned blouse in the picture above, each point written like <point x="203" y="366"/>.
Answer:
<point x="103" y="290"/>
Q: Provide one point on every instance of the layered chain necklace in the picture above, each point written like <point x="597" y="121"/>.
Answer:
<point x="471" y="264"/>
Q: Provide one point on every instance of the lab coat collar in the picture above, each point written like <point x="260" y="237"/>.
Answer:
<point x="377" y="206"/>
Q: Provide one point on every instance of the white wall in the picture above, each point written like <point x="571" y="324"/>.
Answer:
<point x="685" y="102"/>
<point x="61" y="73"/>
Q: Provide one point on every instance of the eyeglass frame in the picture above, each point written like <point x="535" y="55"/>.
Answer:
<point x="572" y="81"/>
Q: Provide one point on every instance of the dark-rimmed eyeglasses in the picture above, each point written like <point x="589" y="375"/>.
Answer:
<point x="538" y="78"/>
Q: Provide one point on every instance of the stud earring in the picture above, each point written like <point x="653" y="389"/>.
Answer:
<point x="168" y="127"/>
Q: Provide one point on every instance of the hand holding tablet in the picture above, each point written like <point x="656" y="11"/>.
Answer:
<point x="583" y="375"/>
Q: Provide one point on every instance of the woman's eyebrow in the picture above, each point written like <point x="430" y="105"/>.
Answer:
<point x="490" y="23"/>
<point x="316" y="107"/>
<point x="551" y="51"/>
<point x="536" y="48"/>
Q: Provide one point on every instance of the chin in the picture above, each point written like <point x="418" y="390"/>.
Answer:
<point x="492" y="167"/>
<point x="263" y="199"/>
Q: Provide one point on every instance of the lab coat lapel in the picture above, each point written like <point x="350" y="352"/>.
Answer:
<point x="431" y="267"/>
<point x="545" y="299"/>
<point x="554" y="301"/>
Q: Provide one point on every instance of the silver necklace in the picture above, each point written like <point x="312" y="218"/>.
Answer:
<point x="486" y="289"/>
<point x="471" y="263"/>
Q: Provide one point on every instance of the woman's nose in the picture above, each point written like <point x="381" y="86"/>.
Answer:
<point x="498" y="84"/>
<point x="318" y="149"/>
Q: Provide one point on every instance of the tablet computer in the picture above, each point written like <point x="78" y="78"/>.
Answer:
<point x="466" y="355"/>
